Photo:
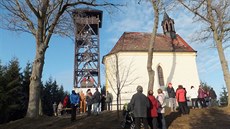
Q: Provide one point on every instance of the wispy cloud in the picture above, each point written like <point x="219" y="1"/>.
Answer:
<point x="134" y="17"/>
<point x="139" y="18"/>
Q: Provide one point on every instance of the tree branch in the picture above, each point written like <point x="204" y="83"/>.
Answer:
<point x="194" y="10"/>
<point x="23" y="16"/>
<point x="33" y="9"/>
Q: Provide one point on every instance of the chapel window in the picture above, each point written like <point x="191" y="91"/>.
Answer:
<point x="160" y="76"/>
<point x="167" y="29"/>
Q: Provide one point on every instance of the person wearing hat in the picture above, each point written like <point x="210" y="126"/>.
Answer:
<point x="139" y="105"/>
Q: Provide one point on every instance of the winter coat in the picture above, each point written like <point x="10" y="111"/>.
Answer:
<point x="109" y="98"/>
<point x="139" y="105"/>
<point x="171" y="92"/>
<point x="65" y="101"/>
<point x="201" y="93"/>
<point x="60" y="106"/>
<point x="74" y="99"/>
<point x="212" y="94"/>
<point x="153" y="106"/>
<point x="181" y="95"/>
<point x="89" y="99"/>
<point x="82" y="96"/>
<point x="192" y="93"/>
<point x="162" y="104"/>
<point x="96" y="97"/>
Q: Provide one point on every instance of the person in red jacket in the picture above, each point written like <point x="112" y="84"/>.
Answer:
<point x="65" y="101"/>
<point x="181" y="99"/>
<point x="152" y="112"/>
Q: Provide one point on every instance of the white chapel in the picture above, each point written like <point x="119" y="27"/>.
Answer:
<point x="174" y="60"/>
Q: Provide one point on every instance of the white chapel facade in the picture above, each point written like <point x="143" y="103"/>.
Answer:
<point x="173" y="61"/>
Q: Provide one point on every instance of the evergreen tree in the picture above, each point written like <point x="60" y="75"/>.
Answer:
<point x="2" y="93"/>
<point x="11" y="92"/>
<point x="25" y="87"/>
<point x="46" y="98"/>
<point x="206" y="87"/>
<point x="103" y="90"/>
<point x="224" y="97"/>
<point x="51" y="93"/>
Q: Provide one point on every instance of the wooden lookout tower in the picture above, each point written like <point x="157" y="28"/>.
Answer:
<point x="87" y="51"/>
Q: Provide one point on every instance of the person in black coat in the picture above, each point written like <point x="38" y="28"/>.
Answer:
<point x="139" y="105"/>
<point x="89" y="101"/>
<point x="212" y="96"/>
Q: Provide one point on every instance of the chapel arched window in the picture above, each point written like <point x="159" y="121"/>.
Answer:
<point x="160" y="76"/>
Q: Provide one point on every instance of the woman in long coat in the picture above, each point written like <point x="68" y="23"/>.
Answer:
<point x="139" y="105"/>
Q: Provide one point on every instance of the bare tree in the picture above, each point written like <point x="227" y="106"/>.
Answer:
<point x="215" y="16"/>
<point x="118" y="76"/>
<point x="42" y="19"/>
<point x="151" y="72"/>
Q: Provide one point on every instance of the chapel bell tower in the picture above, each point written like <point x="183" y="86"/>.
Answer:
<point x="168" y="26"/>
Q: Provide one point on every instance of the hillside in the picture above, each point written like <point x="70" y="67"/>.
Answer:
<point x="209" y="118"/>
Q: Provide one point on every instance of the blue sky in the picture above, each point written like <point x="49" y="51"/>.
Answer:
<point x="59" y="57"/>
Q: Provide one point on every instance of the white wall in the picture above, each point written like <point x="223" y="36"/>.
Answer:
<point x="178" y="68"/>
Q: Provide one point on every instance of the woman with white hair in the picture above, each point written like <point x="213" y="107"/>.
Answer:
<point x="139" y="105"/>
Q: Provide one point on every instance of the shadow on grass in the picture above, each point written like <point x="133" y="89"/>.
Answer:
<point x="171" y="117"/>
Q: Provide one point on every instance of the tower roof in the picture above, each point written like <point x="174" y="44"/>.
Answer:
<point x="166" y="17"/>
<point x="86" y="12"/>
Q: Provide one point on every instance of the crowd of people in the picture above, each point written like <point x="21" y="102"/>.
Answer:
<point x="84" y="103"/>
<point x="149" y="110"/>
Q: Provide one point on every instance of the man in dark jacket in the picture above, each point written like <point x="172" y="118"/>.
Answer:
<point x="212" y="96"/>
<point x="139" y="105"/>
<point x="172" y="99"/>
<point x="96" y="101"/>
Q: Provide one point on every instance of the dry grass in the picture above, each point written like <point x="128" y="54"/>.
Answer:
<point x="209" y="118"/>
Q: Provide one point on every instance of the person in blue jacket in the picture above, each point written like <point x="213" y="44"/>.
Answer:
<point x="75" y="100"/>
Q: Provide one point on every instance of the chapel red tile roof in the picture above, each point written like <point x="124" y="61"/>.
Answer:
<point x="139" y="41"/>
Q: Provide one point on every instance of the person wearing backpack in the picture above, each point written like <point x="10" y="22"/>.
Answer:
<point x="152" y="112"/>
